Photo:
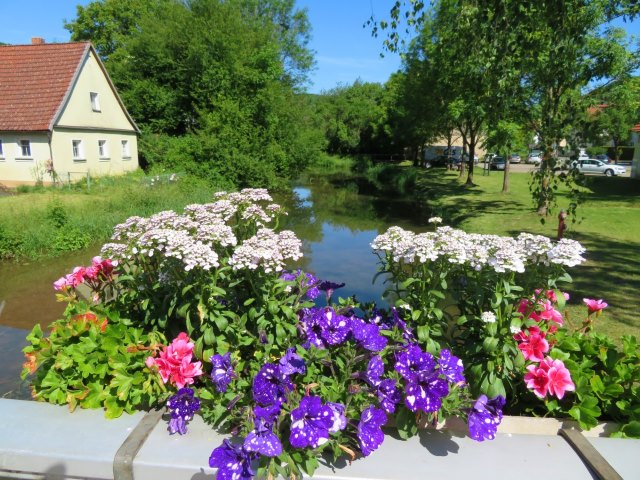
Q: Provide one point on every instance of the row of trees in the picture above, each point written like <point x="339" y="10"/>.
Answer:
<point x="218" y="86"/>
<point x="495" y="67"/>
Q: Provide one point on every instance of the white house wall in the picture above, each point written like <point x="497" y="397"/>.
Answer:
<point x="16" y="169"/>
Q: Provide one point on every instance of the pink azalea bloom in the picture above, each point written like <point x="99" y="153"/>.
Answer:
<point x="594" y="305"/>
<point x="559" y="377"/>
<point x="532" y="344"/>
<point x="538" y="380"/>
<point x="550" y="313"/>
<point x="180" y="348"/>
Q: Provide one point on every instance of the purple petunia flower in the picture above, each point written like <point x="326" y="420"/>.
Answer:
<point x="311" y="282"/>
<point x="367" y="335"/>
<point x="262" y="440"/>
<point x="370" y="435"/>
<point x="424" y="389"/>
<point x="389" y="395"/>
<point x="221" y="371"/>
<point x="232" y="461"/>
<point x="292" y="363"/>
<point x="339" y="420"/>
<point x="310" y="423"/>
<point x="269" y="413"/>
<point x="374" y="372"/>
<point x="335" y="328"/>
<point x="329" y="287"/>
<point x="451" y="367"/>
<point x="182" y="406"/>
<point x="400" y="324"/>
<point x="270" y="385"/>
<point x="484" y="417"/>
<point x="412" y="361"/>
<point x="311" y="324"/>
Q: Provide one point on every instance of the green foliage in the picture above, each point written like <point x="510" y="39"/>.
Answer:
<point x="93" y="359"/>
<point x="9" y="244"/>
<point x="606" y="378"/>
<point x="214" y="86"/>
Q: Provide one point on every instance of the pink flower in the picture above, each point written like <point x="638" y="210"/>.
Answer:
<point x="559" y="377"/>
<point x="537" y="380"/>
<point x="532" y="344"/>
<point x="174" y="364"/>
<point x="551" y="295"/>
<point x="594" y="305"/>
<point x="550" y="376"/>
<point x="550" y="313"/>
<point x="60" y="284"/>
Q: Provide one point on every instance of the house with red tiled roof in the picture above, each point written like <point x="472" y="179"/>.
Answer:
<point x="61" y="117"/>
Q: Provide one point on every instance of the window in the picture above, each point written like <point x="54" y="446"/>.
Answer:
<point x="24" y="147"/>
<point x="1" y="151"/>
<point x="95" y="101"/>
<point x="125" y="149"/>
<point x="78" y="151"/>
<point x="103" y="151"/>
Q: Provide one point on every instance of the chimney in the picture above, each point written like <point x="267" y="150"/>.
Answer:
<point x="37" y="41"/>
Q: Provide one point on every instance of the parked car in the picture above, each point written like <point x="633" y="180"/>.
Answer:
<point x="603" y="158"/>
<point x="591" y="165"/>
<point x="498" y="163"/>
<point x="535" y="157"/>
<point x="514" y="158"/>
<point x="583" y="156"/>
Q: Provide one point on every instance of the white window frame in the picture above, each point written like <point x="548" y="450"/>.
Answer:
<point x="22" y="153"/>
<point x="77" y="150"/>
<point x="95" y="101"/>
<point x="126" y="152"/>
<point x="103" y="149"/>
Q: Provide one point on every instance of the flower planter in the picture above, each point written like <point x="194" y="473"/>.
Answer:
<point x="44" y="440"/>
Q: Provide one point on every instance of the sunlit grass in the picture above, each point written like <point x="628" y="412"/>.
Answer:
<point x="607" y="224"/>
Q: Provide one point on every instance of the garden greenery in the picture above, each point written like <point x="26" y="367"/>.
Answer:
<point x="200" y="311"/>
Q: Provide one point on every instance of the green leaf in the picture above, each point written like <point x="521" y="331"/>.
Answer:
<point x="113" y="409"/>
<point x="406" y="423"/>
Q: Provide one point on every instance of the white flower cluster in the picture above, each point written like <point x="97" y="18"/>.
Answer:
<point x="488" y="317"/>
<point x="204" y="232"/>
<point x="502" y="254"/>
<point x="435" y="220"/>
<point x="268" y="250"/>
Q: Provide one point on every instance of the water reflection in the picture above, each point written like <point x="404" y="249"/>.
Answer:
<point x="336" y="217"/>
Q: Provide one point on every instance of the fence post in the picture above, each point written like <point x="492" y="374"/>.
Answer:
<point x="88" y="182"/>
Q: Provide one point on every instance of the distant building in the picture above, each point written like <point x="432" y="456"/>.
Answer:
<point x="60" y="112"/>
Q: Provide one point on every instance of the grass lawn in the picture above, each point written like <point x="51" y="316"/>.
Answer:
<point x="608" y="226"/>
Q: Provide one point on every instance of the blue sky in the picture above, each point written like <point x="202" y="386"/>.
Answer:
<point x="344" y="50"/>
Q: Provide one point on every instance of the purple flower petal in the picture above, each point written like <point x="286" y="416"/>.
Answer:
<point x="182" y="406"/>
<point x="232" y="462"/>
<point x="335" y="328"/>
<point x="270" y="385"/>
<point x="368" y="335"/>
<point x="451" y="367"/>
<point x="221" y="371"/>
<point x="310" y="423"/>
<point x="292" y="363"/>
<point x="484" y="418"/>
<point x="339" y="420"/>
<point x="413" y="361"/>
<point x="262" y="440"/>
<point x="374" y="372"/>
<point x="370" y="435"/>
<point x="389" y="395"/>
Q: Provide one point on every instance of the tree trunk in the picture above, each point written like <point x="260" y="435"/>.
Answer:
<point x="472" y="154"/>
<point x="505" y="180"/>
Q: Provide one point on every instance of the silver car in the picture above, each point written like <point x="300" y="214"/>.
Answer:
<point x="591" y="165"/>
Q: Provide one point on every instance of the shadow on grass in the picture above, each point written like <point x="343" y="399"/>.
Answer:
<point x="613" y="189"/>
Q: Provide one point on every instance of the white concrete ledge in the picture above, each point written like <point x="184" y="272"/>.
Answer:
<point x="44" y="441"/>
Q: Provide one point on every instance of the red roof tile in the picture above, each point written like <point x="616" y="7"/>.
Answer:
<point x="34" y="80"/>
<point x="636" y="128"/>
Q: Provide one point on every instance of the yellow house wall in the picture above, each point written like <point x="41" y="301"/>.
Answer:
<point x="78" y="112"/>
<point x="16" y="169"/>
<point x="114" y="163"/>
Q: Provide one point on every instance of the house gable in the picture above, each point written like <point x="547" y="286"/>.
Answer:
<point x="92" y="101"/>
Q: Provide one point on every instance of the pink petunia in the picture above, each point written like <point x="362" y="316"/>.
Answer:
<point x="551" y="295"/>
<point x="532" y="344"/>
<point x="594" y="305"/>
